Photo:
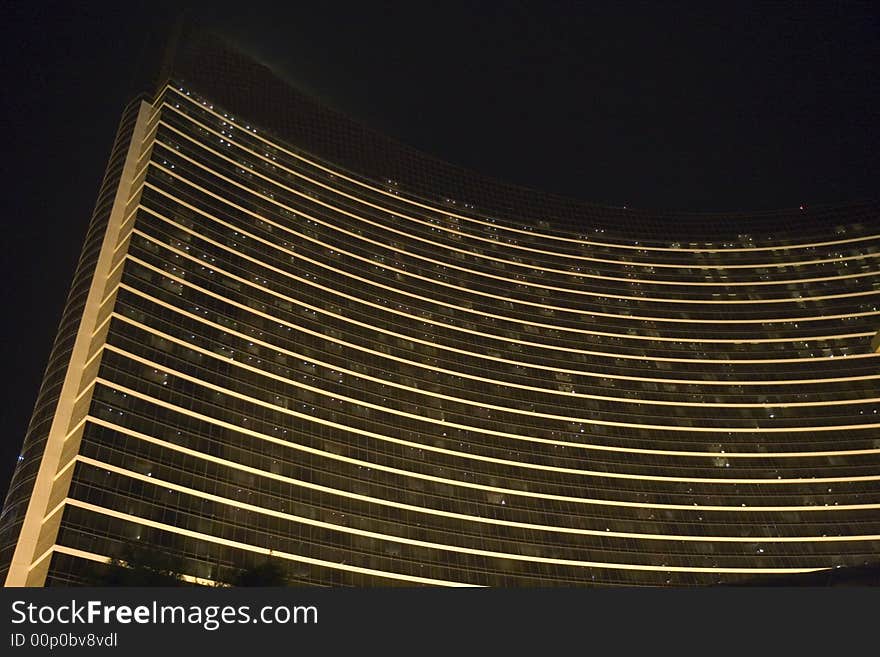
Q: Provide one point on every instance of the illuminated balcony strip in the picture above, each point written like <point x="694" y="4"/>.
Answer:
<point x="67" y="465"/>
<point x="136" y="189"/>
<point x="463" y="455"/>
<point x="422" y="580"/>
<point x="140" y="169"/>
<point x="402" y="540"/>
<point x="493" y="521"/>
<point x="459" y="289"/>
<point x="117" y="265"/>
<point x="426" y="477"/>
<point x="480" y="404"/>
<point x="478" y="356"/>
<point x="440" y="547"/>
<point x="314" y="240"/>
<point x="146" y="152"/>
<point x="150" y="128"/>
<point x="55" y="508"/>
<point x="354" y="374"/>
<point x="455" y="425"/>
<point x="470" y="311"/>
<point x="155" y="114"/>
<point x="88" y="387"/>
<point x="478" y="430"/>
<point x="446" y="212"/>
<point x="316" y="201"/>
<point x="146" y="148"/>
<point x="506" y="280"/>
<point x="138" y="175"/>
<point x="266" y="551"/>
<point x="131" y="212"/>
<point x="417" y="391"/>
<point x="451" y="248"/>
<point x="97" y="352"/>
<point x="103" y="322"/>
<point x="502" y="434"/>
<point x="41" y="558"/>
<point x="91" y="556"/>
<point x="348" y="320"/>
<point x="447" y="546"/>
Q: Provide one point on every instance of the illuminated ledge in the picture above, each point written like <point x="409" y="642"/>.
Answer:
<point x="98" y="558"/>
<point x="875" y="343"/>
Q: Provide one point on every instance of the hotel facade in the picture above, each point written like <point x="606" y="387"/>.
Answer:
<point x="290" y="338"/>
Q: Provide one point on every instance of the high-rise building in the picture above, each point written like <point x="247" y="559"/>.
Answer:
<point x="292" y="338"/>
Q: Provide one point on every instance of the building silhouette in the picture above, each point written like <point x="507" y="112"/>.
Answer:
<point x="291" y="338"/>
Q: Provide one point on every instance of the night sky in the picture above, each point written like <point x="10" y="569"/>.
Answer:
<point x="656" y="105"/>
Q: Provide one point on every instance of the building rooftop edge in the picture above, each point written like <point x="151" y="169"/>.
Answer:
<point x="211" y="66"/>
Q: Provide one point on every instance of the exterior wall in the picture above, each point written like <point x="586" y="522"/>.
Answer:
<point x="373" y="387"/>
<point x="28" y="525"/>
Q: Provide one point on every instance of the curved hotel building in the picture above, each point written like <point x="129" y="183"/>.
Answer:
<point x="291" y="338"/>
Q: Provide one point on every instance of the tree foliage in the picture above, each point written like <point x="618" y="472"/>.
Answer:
<point x="141" y="566"/>
<point x="268" y="573"/>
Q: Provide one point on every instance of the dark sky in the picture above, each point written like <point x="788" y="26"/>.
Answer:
<point x="701" y="106"/>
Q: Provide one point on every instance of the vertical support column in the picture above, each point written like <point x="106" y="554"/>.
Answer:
<point x="42" y="519"/>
